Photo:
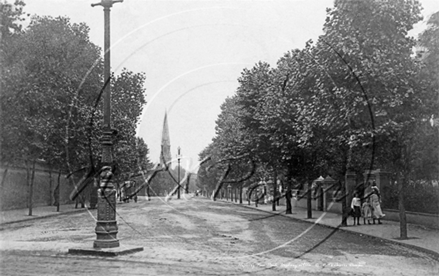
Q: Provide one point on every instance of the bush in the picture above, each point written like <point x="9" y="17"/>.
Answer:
<point x="420" y="196"/>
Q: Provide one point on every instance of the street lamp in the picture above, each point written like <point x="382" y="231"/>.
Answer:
<point x="178" y="172"/>
<point x="106" y="227"/>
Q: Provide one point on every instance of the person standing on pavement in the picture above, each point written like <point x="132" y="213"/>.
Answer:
<point x="356" y="208"/>
<point x="375" y="203"/>
<point x="366" y="211"/>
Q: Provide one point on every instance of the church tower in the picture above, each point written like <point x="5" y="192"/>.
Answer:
<point x="165" y="153"/>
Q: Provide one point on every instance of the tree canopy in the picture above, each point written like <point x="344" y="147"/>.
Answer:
<point x="51" y="107"/>
<point x="356" y="99"/>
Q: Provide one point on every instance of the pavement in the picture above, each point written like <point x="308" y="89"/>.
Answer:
<point x="420" y="237"/>
<point x="18" y="215"/>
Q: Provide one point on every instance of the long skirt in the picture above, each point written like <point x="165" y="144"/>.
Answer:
<point x="366" y="211"/>
<point x="356" y="212"/>
<point x="377" y="211"/>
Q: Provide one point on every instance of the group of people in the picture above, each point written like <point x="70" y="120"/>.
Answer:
<point x="125" y="190"/>
<point x="370" y="209"/>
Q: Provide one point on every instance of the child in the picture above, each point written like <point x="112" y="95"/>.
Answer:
<point x="356" y="208"/>
<point x="366" y="211"/>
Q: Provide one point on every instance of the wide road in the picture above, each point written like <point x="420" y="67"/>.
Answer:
<point x="201" y="237"/>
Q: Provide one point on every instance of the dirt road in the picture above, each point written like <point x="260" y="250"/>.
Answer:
<point x="201" y="237"/>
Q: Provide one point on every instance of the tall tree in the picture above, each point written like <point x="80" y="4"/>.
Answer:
<point x="366" y="44"/>
<point x="50" y="100"/>
<point x="50" y="66"/>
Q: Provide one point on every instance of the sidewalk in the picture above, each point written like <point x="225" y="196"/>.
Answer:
<point x="17" y="215"/>
<point x="419" y="236"/>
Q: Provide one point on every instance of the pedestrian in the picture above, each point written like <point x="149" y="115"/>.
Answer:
<point x="375" y="203"/>
<point x="367" y="211"/>
<point x="356" y="208"/>
<point x="123" y="193"/>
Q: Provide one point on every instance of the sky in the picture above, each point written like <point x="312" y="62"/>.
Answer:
<point x="193" y="52"/>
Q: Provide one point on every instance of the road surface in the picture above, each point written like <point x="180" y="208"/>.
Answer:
<point x="199" y="237"/>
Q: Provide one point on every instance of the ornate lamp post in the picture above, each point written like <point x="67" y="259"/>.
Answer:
<point x="178" y="172"/>
<point x="106" y="228"/>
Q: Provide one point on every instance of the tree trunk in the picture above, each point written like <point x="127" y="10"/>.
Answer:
<point x="289" y="197"/>
<point x="28" y="180"/>
<point x="31" y="187"/>
<point x="344" y="204"/>
<point x="274" y="192"/>
<point x="309" y="199"/>
<point x="94" y="193"/>
<point x="83" y="201"/>
<point x="256" y="197"/>
<point x="147" y="189"/>
<point x="220" y="183"/>
<point x="4" y="177"/>
<point x="50" y="187"/>
<point x="187" y="184"/>
<point x="58" y="191"/>
<point x="241" y="194"/>
<point x="402" y="213"/>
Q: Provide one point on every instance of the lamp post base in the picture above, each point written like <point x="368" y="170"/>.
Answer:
<point x="104" y="252"/>
<point x="106" y="226"/>
<point x="106" y="244"/>
<point x="106" y="232"/>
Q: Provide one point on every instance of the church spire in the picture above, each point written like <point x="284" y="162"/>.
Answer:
<point x="165" y="155"/>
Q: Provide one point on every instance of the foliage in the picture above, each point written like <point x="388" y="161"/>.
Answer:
<point x="50" y="100"/>
<point x="421" y="196"/>
<point x="165" y="181"/>
<point x="46" y="68"/>
<point x="12" y="15"/>
<point x="357" y="99"/>
<point x="127" y="101"/>
<point x="429" y="40"/>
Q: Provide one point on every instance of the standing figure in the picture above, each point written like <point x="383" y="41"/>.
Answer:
<point x="375" y="203"/>
<point x="356" y="208"/>
<point x="367" y="210"/>
<point x="123" y="193"/>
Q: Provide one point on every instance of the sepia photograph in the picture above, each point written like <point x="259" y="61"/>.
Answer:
<point x="219" y="137"/>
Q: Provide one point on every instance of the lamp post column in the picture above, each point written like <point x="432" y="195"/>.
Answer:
<point x="106" y="227"/>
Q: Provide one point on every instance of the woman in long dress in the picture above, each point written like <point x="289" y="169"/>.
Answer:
<point x="375" y="203"/>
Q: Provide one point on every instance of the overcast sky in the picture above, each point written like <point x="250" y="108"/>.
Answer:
<point x="193" y="52"/>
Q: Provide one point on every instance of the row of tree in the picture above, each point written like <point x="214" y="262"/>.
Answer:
<point x="51" y="85"/>
<point x="363" y="96"/>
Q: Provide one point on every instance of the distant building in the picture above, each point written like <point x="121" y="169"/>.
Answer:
<point x="165" y="152"/>
<point x="163" y="183"/>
